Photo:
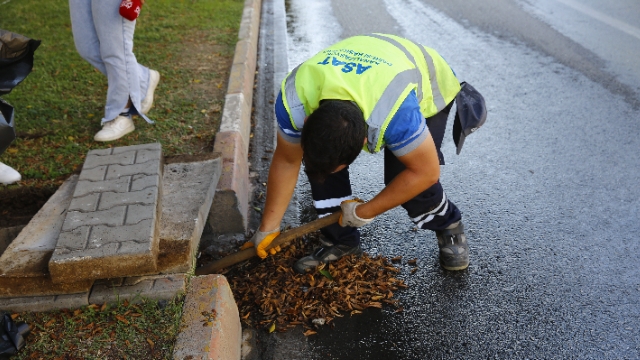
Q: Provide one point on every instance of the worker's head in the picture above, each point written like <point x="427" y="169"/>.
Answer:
<point x="332" y="136"/>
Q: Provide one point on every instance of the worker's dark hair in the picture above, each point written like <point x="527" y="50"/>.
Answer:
<point x="333" y="135"/>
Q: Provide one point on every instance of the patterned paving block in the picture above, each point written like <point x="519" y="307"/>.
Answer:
<point x="45" y="303"/>
<point x="110" y="229"/>
<point x="157" y="287"/>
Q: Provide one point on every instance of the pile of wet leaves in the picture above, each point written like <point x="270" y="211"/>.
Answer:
<point x="271" y="295"/>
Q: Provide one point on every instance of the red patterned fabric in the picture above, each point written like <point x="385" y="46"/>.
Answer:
<point x="130" y="9"/>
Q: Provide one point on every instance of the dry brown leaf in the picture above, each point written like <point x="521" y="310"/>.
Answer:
<point x="279" y="295"/>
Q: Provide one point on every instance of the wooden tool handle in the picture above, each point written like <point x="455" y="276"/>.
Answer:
<point x="281" y="239"/>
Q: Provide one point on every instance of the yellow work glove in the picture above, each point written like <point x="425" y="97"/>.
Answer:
<point x="349" y="217"/>
<point x="261" y="240"/>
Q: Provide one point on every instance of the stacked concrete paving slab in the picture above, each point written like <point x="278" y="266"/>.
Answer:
<point x="24" y="264"/>
<point x="111" y="224"/>
<point x="127" y="227"/>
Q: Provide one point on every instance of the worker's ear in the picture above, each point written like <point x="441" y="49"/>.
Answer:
<point x="305" y="119"/>
<point x="365" y="141"/>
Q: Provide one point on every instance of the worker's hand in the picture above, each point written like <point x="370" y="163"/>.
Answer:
<point x="349" y="217"/>
<point x="261" y="240"/>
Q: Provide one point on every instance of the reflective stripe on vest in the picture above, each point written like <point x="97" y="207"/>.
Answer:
<point x="388" y="101"/>
<point x="292" y="101"/>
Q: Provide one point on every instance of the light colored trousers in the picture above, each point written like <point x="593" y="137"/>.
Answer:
<point x="105" y="40"/>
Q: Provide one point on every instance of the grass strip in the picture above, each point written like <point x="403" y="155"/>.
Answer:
<point x="60" y="105"/>
<point x="143" y="329"/>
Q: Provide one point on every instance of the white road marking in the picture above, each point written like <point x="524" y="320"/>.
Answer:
<point x="615" y="23"/>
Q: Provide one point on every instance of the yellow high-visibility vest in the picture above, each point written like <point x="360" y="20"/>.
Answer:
<point x="376" y="72"/>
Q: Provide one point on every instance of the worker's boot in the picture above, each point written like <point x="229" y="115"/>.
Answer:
<point x="325" y="254"/>
<point x="454" y="250"/>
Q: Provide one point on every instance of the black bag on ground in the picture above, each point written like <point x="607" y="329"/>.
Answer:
<point x="16" y="59"/>
<point x="16" y="62"/>
<point x="11" y="336"/>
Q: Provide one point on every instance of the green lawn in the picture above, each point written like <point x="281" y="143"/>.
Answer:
<point x="60" y="105"/>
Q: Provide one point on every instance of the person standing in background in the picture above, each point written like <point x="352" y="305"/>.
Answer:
<point x="104" y="38"/>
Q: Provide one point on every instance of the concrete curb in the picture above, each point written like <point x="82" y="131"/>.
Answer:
<point x="210" y="324"/>
<point x="229" y="211"/>
<point x="221" y="335"/>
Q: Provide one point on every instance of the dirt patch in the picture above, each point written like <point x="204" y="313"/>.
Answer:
<point x="187" y="158"/>
<point x="19" y="205"/>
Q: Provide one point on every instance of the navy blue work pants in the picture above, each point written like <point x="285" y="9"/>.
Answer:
<point x="429" y="210"/>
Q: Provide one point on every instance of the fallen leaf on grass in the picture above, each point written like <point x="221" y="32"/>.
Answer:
<point x="309" y="333"/>
<point x="122" y="318"/>
<point x="151" y="343"/>
<point x="272" y="328"/>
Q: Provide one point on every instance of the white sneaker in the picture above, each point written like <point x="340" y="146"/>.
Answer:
<point x="147" y="103"/>
<point x="8" y="175"/>
<point x="115" y="129"/>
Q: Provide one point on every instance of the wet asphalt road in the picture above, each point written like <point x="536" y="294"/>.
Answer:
<point x="549" y="186"/>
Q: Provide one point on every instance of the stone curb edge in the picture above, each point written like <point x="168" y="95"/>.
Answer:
<point x="229" y="211"/>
